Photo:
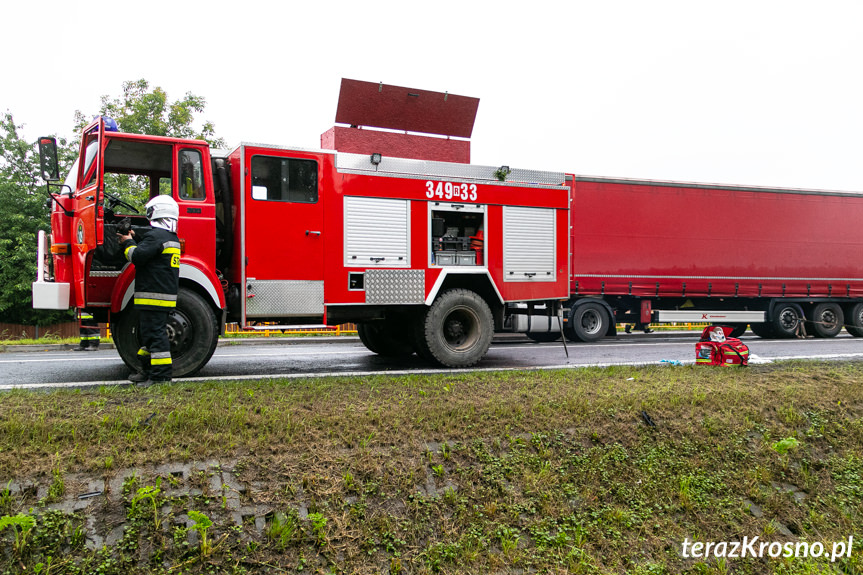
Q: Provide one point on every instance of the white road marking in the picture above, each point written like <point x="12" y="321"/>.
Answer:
<point x="57" y="359"/>
<point x="75" y="385"/>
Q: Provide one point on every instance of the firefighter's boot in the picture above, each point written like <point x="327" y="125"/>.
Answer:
<point x="143" y="374"/>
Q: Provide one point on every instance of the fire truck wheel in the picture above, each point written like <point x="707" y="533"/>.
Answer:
<point x="786" y="320"/>
<point x="827" y="320"/>
<point x="588" y="322"/>
<point x="192" y="331"/>
<point x="543" y="337"/>
<point x="457" y="329"/>
<point x="762" y="330"/>
<point x="124" y="328"/>
<point x="385" y="338"/>
<point x="855" y="320"/>
<point x="418" y="337"/>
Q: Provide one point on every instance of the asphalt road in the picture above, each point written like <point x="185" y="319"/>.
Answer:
<point x="291" y="357"/>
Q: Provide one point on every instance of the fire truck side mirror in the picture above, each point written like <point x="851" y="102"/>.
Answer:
<point x="48" y="159"/>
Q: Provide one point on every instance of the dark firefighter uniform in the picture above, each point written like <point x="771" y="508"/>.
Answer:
<point x="88" y="329"/>
<point x="157" y="278"/>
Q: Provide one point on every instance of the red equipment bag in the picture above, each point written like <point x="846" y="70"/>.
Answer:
<point x="716" y="348"/>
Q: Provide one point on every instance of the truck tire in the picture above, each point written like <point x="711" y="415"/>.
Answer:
<point x="456" y="330"/>
<point x="543" y="337"/>
<point x="192" y="331"/>
<point x="786" y="320"/>
<point x="588" y="322"/>
<point x="762" y="330"/>
<point x="739" y="329"/>
<point x="855" y="320"/>
<point x="385" y="338"/>
<point x="827" y="320"/>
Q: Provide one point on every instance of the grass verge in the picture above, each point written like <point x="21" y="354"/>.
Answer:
<point x="577" y="471"/>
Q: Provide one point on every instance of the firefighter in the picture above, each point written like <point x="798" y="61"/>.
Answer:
<point x="157" y="278"/>
<point x="88" y="329"/>
<point x="645" y="327"/>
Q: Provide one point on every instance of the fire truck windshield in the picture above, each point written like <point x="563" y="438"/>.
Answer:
<point x="70" y="184"/>
<point x="89" y="156"/>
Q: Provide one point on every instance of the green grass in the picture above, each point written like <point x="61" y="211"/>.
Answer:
<point x="532" y="472"/>
<point x="39" y="341"/>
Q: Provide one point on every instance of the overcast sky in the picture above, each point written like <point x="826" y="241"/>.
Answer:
<point x="742" y="92"/>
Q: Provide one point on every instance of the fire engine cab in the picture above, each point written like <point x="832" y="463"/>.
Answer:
<point x="425" y="256"/>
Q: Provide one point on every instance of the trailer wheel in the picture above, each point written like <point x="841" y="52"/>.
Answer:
<point x="786" y="320"/>
<point x="827" y="320"/>
<point x="192" y="331"/>
<point x="762" y="330"/>
<point x="588" y="322"/>
<point x="456" y="330"/>
<point x="543" y="337"/>
<point x="855" y="320"/>
<point x="739" y="329"/>
<point x="385" y="338"/>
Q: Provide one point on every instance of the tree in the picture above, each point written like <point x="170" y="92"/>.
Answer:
<point x="24" y="213"/>
<point x="22" y="193"/>
<point x="141" y="110"/>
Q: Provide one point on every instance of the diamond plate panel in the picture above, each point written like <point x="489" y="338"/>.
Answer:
<point x="395" y="286"/>
<point x="284" y="298"/>
<point x="399" y="167"/>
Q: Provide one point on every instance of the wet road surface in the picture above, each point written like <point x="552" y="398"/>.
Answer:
<point x="290" y="357"/>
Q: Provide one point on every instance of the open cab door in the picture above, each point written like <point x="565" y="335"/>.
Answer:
<point x="77" y="219"/>
<point x="86" y="229"/>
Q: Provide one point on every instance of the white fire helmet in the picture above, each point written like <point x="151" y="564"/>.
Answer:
<point x="163" y="207"/>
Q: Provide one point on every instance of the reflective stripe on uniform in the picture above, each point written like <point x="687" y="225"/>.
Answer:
<point x="128" y="252"/>
<point x="155" y="302"/>
<point x="156" y="299"/>
<point x="155" y="295"/>
<point x="161" y="358"/>
<point x="143" y="352"/>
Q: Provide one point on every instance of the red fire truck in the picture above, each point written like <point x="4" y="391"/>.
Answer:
<point x="433" y="257"/>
